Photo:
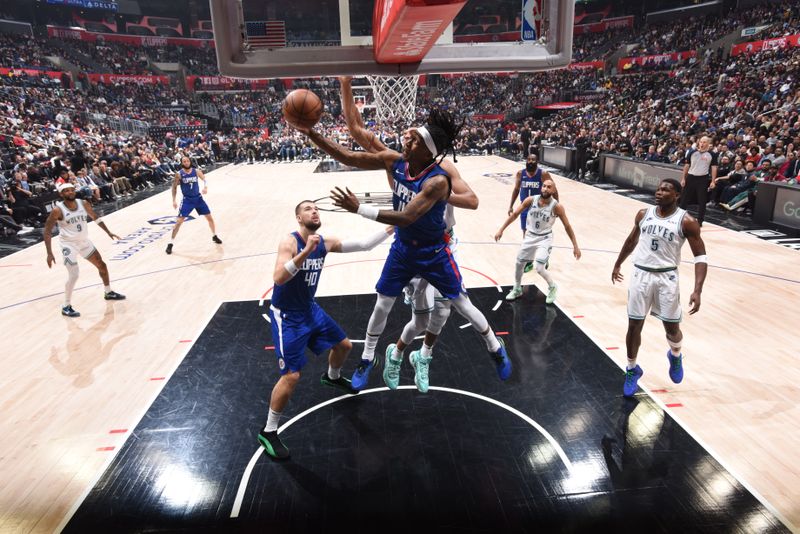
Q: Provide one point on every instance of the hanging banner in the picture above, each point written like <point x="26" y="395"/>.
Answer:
<point x="588" y="65"/>
<point x="218" y="83"/>
<point x="107" y="79"/>
<point x="31" y="72"/>
<point x="787" y="41"/>
<point x="603" y="25"/>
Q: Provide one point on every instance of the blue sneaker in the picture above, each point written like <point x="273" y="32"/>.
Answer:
<point x="675" y="367"/>
<point x="632" y="377"/>
<point x="501" y="361"/>
<point x="391" y="369"/>
<point x="361" y="374"/>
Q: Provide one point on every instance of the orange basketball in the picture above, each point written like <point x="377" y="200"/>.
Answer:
<point x="302" y="108"/>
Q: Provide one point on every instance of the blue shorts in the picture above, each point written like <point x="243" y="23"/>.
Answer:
<point x="433" y="263"/>
<point x="293" y="331"/>
<point x="188" y="204"/>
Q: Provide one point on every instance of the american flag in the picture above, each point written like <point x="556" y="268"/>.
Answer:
<point x="269" y="33"/>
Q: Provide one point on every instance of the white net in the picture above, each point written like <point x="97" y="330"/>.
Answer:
<point x="395" y="96"/>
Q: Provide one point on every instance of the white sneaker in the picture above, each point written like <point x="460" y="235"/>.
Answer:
<point x="514" y="294"/>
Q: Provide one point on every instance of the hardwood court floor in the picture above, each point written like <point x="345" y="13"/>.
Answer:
<point x="70" y="390"/>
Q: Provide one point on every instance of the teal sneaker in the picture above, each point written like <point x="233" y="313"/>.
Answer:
<point x="391" y="371"/>
<point x="514" y="294"/>
<point x="551" y="294"/>
<point x="421" y="365"/>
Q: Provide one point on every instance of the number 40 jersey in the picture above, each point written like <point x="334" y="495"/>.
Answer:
<point x="298" y="293"/>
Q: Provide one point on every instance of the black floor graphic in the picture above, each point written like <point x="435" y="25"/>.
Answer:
<point x="441" y="462"/>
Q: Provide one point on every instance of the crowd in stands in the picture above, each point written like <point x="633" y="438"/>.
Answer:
<point x="748" y="104"/>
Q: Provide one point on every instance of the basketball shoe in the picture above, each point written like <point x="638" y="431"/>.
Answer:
<point x="632" y="377"/>
<point x="361" y="374"/>
<point x="339" y="383"/>
<point x="391" y="369"/>
<point x="552" y="292"/>
<point x="216" y="240"/>
<point x="675" y="367"/>
<point x="421" y="366"/>
<point x="514" y="294"/>
<point x="69" y="311"/>
<point x="113" y="295"/>
<point x="501" y="361"/>
<point x="528" y="267"/>
<point x="273" y="445"/>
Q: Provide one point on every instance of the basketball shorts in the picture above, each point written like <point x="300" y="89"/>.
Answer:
<point x="421" y="293"/>
<point x="655" y="293"/>
<point x="189" y="204"/>
<point x="72" y="249"/>
<point x="535" y="248"/>
<point x="293" y="331"/>
<point x="434" y="263"/>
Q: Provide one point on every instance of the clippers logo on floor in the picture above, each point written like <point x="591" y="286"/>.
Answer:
<point x="168" y="219"/>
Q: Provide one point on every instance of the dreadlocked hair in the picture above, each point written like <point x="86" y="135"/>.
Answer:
<point x="444" y="132"/>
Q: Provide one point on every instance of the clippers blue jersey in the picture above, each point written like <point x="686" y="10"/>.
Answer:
<point x="530" y="185"/>
<point x="298" y="293"/>
<point x="189" y="185"/>
<point x="430" y="228"/>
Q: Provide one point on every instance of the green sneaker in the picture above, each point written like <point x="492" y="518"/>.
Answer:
<point x="514" y="294"/>
<point x="391" y="371"/>
<point x="421" y="364"/>
<point x="551" y="294"/>
<point x="528" y="267"/>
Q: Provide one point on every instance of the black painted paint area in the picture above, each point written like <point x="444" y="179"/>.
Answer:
<point x="442" y="461"/>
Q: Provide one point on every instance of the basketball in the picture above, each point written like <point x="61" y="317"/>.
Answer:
<point x="302" y="108"/>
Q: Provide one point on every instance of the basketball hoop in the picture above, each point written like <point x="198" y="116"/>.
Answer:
<point x="395" y="96"/>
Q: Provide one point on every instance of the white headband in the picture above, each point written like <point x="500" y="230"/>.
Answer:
<point x="426" y="136"/>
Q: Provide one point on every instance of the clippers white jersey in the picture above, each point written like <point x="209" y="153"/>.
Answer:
<point x="660" y="240"/>
<point x="73" y="225"/>
<point x="449" y="218"/>
<point x="540" y="218"/>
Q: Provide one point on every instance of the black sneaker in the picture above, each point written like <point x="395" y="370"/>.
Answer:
<point x="113" y="295"/>
<point x="69" y="311"/>
<point x="273" y="445"/>
<point x="169" y="248"/>
<point x="216" y="240"/>
<point x="340" y="383"/>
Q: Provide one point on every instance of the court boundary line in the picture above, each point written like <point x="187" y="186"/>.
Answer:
<point x="245" y="480"/>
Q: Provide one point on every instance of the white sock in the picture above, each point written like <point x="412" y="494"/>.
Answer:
<point x="675" y="347"/>
<point x="426" y="351"/>
<point x="171" y="241"/>
<point x="631" y="363"/>
<point x="369" y="347"/>
<point x="72" y="278"/>
<point x="107" y="288"/>
<point x="334" y="372"/>
<point x="519" y="267"/>
<point x="396" y="355"/>
<point x="491" y="341"/>
<point x="272" y="421"/>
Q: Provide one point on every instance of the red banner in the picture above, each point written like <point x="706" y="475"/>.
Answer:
<point x="627" y="62"/>
<point x="31" y="72"/>
<point x="603" y="25"/>
<point x="108" y="79"/>
<point x="588" y="65"/>
<point x="559" y="105"/>
<point x="489" y="117"/>
<point x="787" y="41"/>
<point x="79" y="34"/>
<point x="223" y="82"/>
<point x="405" y="30"/>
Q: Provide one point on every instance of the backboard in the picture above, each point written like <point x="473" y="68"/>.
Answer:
<point x="306" y="38"/>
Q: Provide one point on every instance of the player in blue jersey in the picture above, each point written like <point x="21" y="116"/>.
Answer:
<point x="420" y="192"/>
<point x="187" y="177"/>
<point x="528" y="183"/>
<point x="298" y="321"/>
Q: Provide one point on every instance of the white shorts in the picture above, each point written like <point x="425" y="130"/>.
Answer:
<point x="535" y="248"/>
<point x="71" y="250"/>
<point x="656" y="293"/>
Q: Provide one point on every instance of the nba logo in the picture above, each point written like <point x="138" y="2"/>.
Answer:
<point x="531" y="18"/>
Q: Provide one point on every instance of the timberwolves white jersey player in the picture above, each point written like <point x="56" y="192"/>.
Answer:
<point x="538" y="240"/>
<point x="660" y="240"/>
<point x="654" y="285"/>
<point x="73" y="232"/>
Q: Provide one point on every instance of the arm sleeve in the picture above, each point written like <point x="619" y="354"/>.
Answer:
<point x="365" y="243"/>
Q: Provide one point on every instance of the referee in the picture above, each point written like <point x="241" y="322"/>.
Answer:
<point x="699" y="173"/>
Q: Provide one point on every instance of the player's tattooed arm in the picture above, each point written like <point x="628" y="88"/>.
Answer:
<point x="362" y="160"/>
<point x="175" y="181"/>
<point x="202" y="176"/>
<point x="93" y="216"/>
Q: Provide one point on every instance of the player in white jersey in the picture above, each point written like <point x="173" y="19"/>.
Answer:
<point x="429" y="311"/>
<point x="72" y="216"/>
<point x="656" y="241"/>
<point x="541" y="212"/>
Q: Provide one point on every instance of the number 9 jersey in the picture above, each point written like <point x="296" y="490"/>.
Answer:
<point x="298" y="293"/>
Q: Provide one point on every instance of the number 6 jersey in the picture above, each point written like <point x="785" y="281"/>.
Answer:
<point x="540" y="218"/>
<point x="298" y="293"/>
<point x="73" y="225"/>
<point x="660" y="240"/>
